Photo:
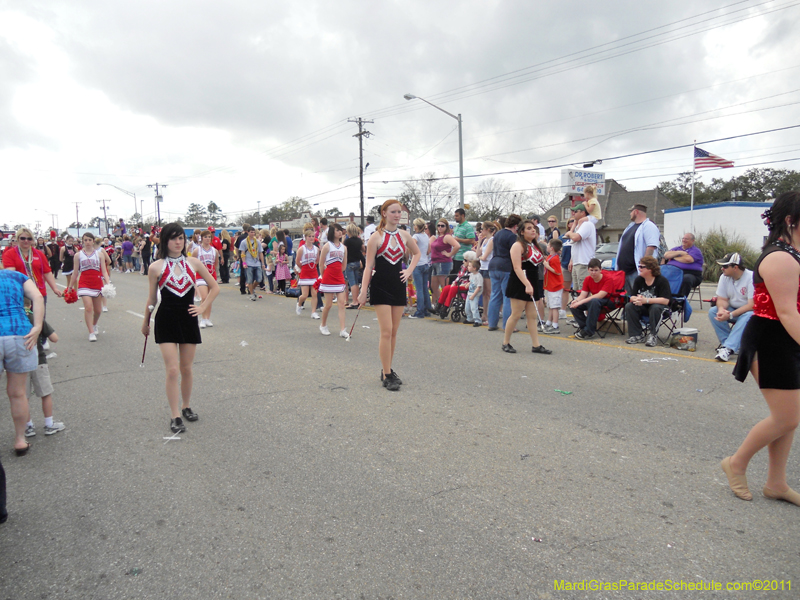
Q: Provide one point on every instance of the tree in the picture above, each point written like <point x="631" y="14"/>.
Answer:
<point x="94" y="222"/>
<point x="196" y="214"/>
<point x="333" y="212"/>
<point x="542" y="198"/>
<point x="73" y="225"/>
<point x="428" y="197"/>
<point x="252" y="219"/>
<point x="215" y="215"/>
<point x="491" y="199"/>
<point x="375" y="211"/>
<point x="754" y="185"/>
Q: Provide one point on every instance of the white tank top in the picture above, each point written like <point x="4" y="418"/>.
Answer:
<point x="88" y="262"/>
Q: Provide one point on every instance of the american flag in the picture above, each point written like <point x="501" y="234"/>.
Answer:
<point x="706" y="160"/>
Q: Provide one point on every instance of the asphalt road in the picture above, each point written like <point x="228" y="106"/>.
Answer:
<point x="304" y="478"/>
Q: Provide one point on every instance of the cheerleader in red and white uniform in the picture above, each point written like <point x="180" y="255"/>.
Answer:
<point x="308" y="259"/>
<point x="91" y="273"/>
<point x="209" y="256"/>
<point x="334" y="257"/>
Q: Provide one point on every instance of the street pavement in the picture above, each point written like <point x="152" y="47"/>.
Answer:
<point x="304" y="478"/>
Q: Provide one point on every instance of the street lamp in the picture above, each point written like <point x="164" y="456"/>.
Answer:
<point x="460" y="145"/>
<point x="129" y="194"/>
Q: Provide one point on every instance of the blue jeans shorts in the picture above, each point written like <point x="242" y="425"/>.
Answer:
<point x="254" y="275"/>
<point x="15" y="357"/>
<point x="353" y="273"/>
<point x="441" y="269"/>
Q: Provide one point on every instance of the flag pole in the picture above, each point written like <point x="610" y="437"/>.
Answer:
<point x="691" y="207"/>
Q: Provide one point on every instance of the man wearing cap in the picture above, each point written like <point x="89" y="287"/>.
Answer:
<point x="734" y="305"/>
<point x="584" y="241"/>
<point x="688" y="258"/>
<point x="537" y="220"/>
<point x="639" y="239"/>
<point x="464" y="233"/>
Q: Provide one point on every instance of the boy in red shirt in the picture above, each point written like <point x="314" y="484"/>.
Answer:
<point x="586" y="307"/>
<point x="553" y="285"/>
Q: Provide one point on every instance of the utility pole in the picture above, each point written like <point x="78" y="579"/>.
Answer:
<point x="258" y="215"/>
<point x="360" y="135"/>
<point x="105" y="215"/>
<point x="77" y="219"/>
<point x="159" y="199"/>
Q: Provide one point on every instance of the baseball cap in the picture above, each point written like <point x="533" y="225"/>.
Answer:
<point x="580" y="206"/>
<point x="639" y="207"/>
<point x="732" y="258"/>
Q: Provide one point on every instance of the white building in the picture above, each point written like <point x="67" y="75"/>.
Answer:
<point x="741" y="219"/>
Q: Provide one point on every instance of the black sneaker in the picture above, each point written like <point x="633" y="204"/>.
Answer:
<point x="189" y="414"/>
<point x="540" y="350"/>
<point x="509" y="348"/>
<point x="390" y="383"/>
<point x="393" y="376"/>
<point x="396" y="377"/>
<point x="177" y="426"/>
<point x="582" y="334"/>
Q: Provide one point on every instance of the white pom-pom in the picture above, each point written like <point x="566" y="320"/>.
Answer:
<point x="108" y="291"/>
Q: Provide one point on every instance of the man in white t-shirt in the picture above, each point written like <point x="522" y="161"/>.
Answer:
<point x="734" y="305"/>
<point x="584" y="241"/>
<point x="369" y="229"/>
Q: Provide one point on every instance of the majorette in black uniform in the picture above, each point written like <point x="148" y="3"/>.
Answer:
<point x="386" y="287"/>
<point x="530" y="264"/>
<point x="173" y="323"/>
<point x="766" y="339"/>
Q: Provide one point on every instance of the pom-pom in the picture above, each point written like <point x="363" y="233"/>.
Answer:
<point x="70" y="296"/>
<point x="108" y="291"/>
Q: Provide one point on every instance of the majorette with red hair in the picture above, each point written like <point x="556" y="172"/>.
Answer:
<point x="386" y="249"/>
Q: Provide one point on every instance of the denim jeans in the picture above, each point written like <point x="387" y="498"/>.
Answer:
<point x="498" y="298"/>
<point x="587" y="314"/>
<point x="472" y="312"/>
<point x="136" y="264"/>
<point x="730" y="337"/>
<point x="422" y="283"/>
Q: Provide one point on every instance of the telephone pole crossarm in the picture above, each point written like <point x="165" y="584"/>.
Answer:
<point x="362" y="133"/>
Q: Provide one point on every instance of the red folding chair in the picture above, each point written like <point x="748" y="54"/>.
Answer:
<point x="612" y="316"/>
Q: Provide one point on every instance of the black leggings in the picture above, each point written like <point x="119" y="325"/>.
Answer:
<point x="281" y="285"/>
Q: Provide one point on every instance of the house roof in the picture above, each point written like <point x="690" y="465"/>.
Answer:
<point x="616" y="203"/>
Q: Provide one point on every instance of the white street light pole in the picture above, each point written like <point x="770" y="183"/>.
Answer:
<point x="460" y="144"/>
<point x="129" y="194"/>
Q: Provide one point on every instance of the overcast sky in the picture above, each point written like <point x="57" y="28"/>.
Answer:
<point x="242" y="101"/>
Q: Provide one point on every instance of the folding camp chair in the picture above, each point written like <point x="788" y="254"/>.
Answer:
<point x="678" y="310"/>
<point x="612" y="316"/>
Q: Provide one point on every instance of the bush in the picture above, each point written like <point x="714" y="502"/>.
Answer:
<point x="715" y="244"/>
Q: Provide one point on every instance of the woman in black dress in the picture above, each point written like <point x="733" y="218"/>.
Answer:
<point x="177" y="330"/>
<point x="770" y="350"/>
<point x="387" y="286"/>
<point x="522" y="288"/>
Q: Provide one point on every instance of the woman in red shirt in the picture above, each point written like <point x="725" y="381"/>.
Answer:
<point x="29" y="261"/>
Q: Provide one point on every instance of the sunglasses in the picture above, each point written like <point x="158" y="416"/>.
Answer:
<point x="643" y="267"/>
<point x="25" y="239"/>
<point x="439" y="225"/>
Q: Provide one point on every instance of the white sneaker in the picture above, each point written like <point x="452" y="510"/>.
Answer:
<point x="723" y="354"/>
<point x="92" y="337"/>
<point x="324" y="330"/>
<point x="298" y="309"/>
<point x="46" y="345"/>
<point x="105" y="309"/>
<point x="202" y="323"/>
<point x="562" y="314"/>
<point x="344" y="334"/>
<point x="209" y="323"/>
<point x="314" y="315"/>
<point x="96" y="329"/>
<point x="57" y="426"/>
